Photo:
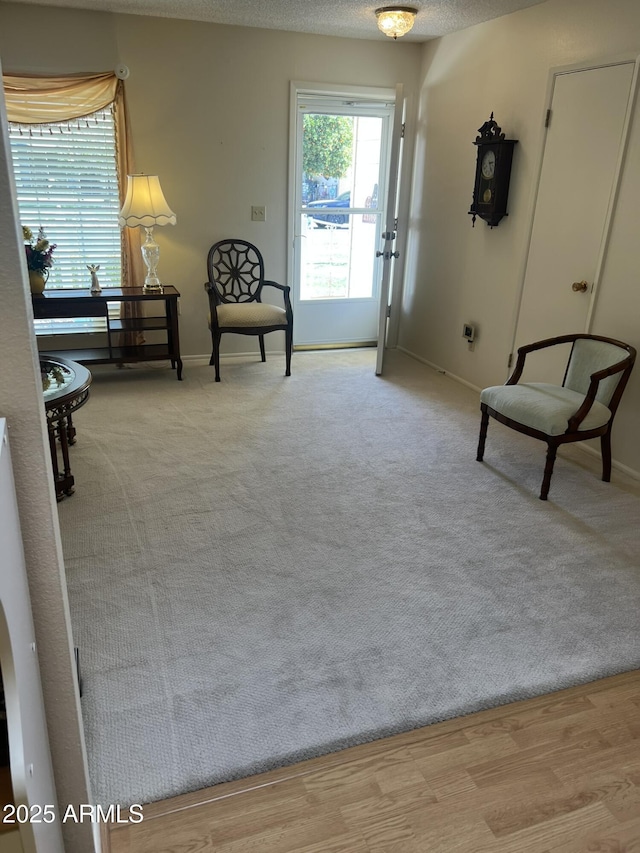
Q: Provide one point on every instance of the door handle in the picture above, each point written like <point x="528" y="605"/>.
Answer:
<point x="580" y="286"/>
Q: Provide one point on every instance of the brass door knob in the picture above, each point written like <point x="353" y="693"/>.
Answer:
<point x="580" y="286"/>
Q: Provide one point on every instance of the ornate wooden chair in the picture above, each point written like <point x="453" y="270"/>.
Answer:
<point x="583" y="407"/>
<point x="236" y="279"/>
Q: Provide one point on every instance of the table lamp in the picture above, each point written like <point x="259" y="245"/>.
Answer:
<point x="146" y="205"/>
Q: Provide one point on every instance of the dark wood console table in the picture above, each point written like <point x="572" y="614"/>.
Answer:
<point x="65" y="387"/>
<point x="66" y="304"/>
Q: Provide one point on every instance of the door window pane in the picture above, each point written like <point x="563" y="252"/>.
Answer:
<point x="366" y="160"/>
<point x="337" y="257"/>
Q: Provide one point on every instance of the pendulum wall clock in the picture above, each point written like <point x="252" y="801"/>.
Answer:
<point x="493" y="172"/>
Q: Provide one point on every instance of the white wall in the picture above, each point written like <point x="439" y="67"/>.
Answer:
<point x="209" y="110"/>
<point x="21" y="404"/>
<point x="30" y="758"/>
<point x="457" y="274"/>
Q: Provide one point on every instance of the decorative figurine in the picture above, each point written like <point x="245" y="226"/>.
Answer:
<point x="95" y="284"/>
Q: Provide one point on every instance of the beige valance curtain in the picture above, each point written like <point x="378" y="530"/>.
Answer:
<point x="48" y="100"/>
<point x="35" y="100"/>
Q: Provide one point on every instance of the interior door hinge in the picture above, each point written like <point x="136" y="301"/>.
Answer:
<point x="395" y="223"/>
<point x="510" y="360"/>
<point x="388" y="310"/>
<point x="547" y="120"/>
<point x="402" y="130"/>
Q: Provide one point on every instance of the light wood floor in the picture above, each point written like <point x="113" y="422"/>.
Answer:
<point x="556" y="774"/>
<point x="6" y="797"/>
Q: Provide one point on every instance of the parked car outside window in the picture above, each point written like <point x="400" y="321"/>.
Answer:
<point x="321" y="219"/>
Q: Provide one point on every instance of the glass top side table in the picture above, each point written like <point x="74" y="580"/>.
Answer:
<point x="65" y="388"/>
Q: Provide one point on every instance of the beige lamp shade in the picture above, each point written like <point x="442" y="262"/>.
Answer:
<point x="145" y="203"/>
<point x="395" y="21"/>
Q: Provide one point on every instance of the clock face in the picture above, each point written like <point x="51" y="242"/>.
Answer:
<point x="489" y="164"/>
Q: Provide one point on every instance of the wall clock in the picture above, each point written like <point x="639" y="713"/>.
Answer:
<point x="493" y="172"/>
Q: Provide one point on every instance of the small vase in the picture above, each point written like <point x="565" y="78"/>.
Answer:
<point x="37" y="281"/>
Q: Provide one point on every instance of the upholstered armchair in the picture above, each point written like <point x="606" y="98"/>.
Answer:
<point x="583" y="407"/>
<point x="235" y="285"/>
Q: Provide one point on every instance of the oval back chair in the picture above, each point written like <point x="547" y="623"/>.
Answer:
<point x="235" y="283"/>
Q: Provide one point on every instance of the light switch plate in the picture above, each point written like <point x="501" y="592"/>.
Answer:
<point x="258" y="213"/>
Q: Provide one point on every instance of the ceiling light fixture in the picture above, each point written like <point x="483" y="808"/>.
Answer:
<point x="395" y="21"/>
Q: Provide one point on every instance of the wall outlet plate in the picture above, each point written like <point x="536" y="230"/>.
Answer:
<point x="258" y="213"/>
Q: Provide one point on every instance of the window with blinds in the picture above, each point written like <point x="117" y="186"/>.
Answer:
<point x="67" y="182"/>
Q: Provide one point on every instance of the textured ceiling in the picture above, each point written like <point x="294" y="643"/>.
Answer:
<point x="347" y="18"/>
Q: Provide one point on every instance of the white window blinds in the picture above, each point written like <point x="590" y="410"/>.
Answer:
<point x="67" y="182"/>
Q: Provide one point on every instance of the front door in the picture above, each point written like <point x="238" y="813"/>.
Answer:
<point x="341" y="176"/>
<point x="583" y="150"/>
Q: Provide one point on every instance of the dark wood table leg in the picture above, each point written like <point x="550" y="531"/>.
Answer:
<point x="66" y="481"/>
<point x="53" y="447"/>
<point x="71" y="430"/>
<point x="171" y="307"/>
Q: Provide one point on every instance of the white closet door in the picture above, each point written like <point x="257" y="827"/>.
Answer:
<point x="580" y="168"/>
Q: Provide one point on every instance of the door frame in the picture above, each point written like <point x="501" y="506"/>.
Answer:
<point x="554" y="72"/>
<point x="297" y="87"/>
<point x="391" y="225"/>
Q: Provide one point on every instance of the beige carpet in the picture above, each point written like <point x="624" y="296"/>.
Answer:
<point x="267" y="569"/>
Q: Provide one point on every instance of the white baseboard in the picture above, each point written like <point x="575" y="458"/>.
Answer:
<point x="591" y="451"/>
<point x="439" y="369"/>
<point x="196" y="359"/>
<point x="579" y="445"/>
<point x="204" y="359"/>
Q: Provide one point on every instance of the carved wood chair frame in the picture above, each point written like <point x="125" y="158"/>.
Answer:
<point x="235" y="271"/>
<point x="573" y="432"/>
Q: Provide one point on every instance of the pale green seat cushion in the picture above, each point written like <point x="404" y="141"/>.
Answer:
<point x="544" y="407"/>
<point x="246" y="314"/>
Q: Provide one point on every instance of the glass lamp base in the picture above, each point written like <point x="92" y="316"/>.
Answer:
<point x="151" y="256"/>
